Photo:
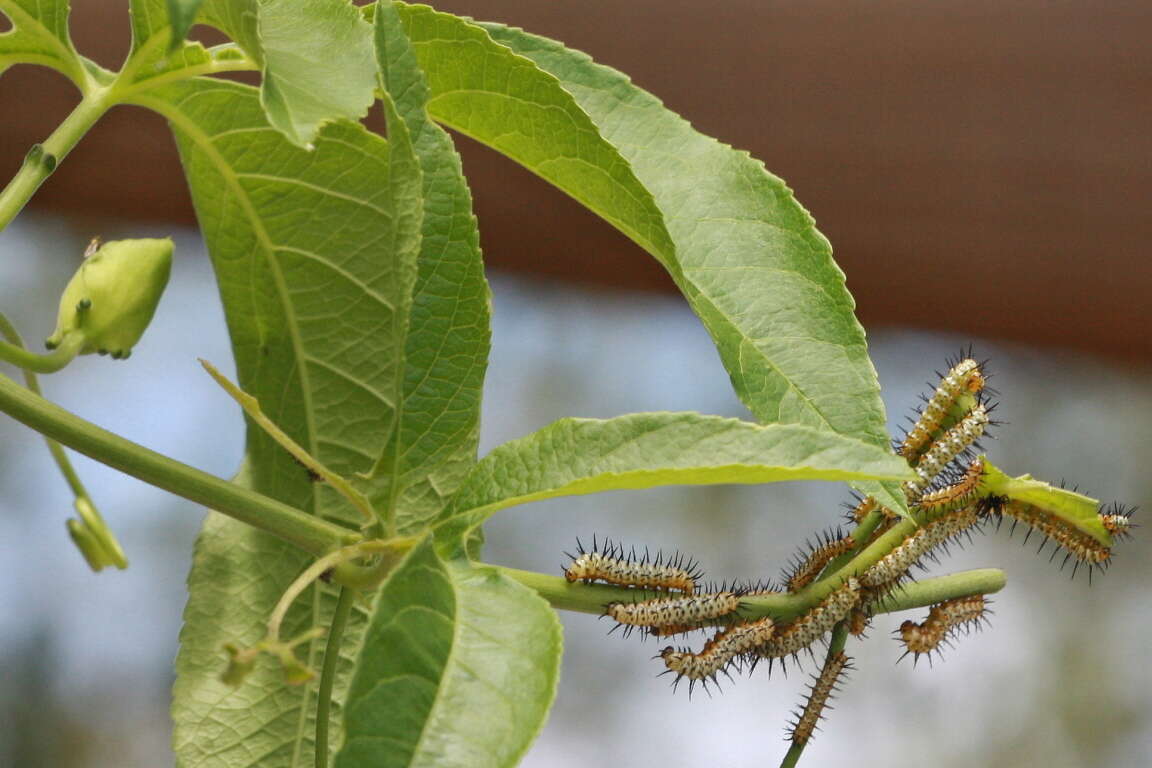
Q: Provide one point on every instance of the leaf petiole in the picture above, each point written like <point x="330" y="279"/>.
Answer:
<point x="251" y="407"/>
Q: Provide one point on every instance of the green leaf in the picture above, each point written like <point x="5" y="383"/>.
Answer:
<point x="318" y="65"/>
<point x="182" y="13"/>
<point x="742" y="250"/>
<point x="448" y="336"/>
<point x="39" y="35"/>
<point x="643" y="450"/>
<point x="238" y="574"/>
<point x="458" y="670"/>
<point x="237" y="19"/>
<point x="1073" y="508"/>
<point x="315" y="256"/>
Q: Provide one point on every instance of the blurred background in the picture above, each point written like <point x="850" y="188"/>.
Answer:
<point x="1002" y="151"/>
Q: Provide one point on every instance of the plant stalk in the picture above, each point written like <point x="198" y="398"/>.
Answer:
<point x="592" y="598"/>
<point x="328" y="673"/>
<point x="311" y="534"/>
<point x="43" y="159"/>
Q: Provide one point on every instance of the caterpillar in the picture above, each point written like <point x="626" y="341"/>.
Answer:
<point x="861" y="616"/>
<point x="718" y="653"/>
<point x="864" y="506"/>
<point x="1116" y="520"/>
<point x="957" y="493"/>
<point x="804" y="569"/>
<point x="858" y="620"/>
<point x="675" y="611"/>
<point x="823" y="686"/>
<point x="857" y="512"/>
<point x="943" y="619"/>
<point x="965" y="376"/>
<point x="1076" y="543"/>
<point x="814" y="624"/>
<point x="924" y="539"/>
<point x="945" y="450"/>
<point x="608" y="564"/>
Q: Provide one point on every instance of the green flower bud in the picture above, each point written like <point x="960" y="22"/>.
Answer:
<point x="112" y="297"/>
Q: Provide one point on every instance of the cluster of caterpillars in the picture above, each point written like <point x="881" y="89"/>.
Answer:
<point x="947" y="500"/>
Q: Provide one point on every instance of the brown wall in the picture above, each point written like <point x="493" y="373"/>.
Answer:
<point x="1000" y="150"/>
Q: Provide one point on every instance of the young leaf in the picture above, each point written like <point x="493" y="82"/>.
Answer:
<point x="643" y="450"/>
<point x="742" y="250"/>
<point x="318" y="65"/>
<point x="39" y="35"/>
<point x="458" y="670"/>
<point x="237" y="19"/>
<point x="182" y="13"/>
<point x="448" y="336"/>
<point x="157" y="46"/>
<point x="1074" y="508"/>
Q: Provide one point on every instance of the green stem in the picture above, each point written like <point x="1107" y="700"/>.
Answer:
<point x="43" y="159"/>
<point x="305" y="531"/>
<point x="328" y="673"/>
<point x="835" y="645"/>
<point x="315" y="571"/>
<point x="251" y="406"/>
<point x="592" y="598"/>
<point x="50" y="363"/>
<point x="91" y="533"/>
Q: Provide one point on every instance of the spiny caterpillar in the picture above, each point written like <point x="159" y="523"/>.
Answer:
<point x="1075" y="542"/>
<point x="608" y="564"/>
<point x="718" y="653"/>
<point x="957" y="493"/>
<point x="924" y="539"/>
<point x="965" y="376"/>
<point x="946" y="499"/>
<point x="823" y="686"/>
<point x="946" y="449"/>
<point x="804" y="569"/>
<point x="943" y="619"/>
<point x="675" y="611"/>
<point x="813" y="625"/>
